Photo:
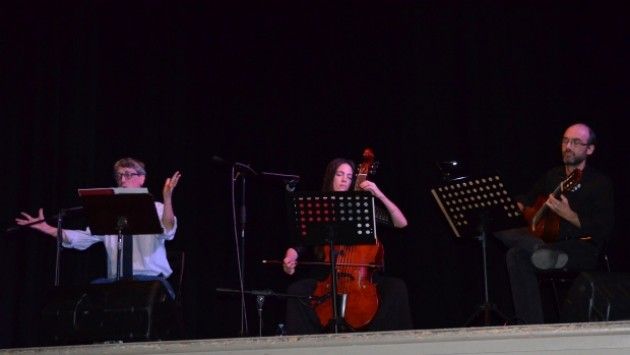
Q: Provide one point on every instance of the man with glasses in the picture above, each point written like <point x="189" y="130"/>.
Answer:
<point x="586" y="218"/>
<point x="149" y="253"/>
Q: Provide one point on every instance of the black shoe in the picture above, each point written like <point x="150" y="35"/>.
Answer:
<point x="546" y="259"/>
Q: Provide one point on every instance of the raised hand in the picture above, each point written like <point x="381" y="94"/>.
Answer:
<point x="169" y="185"/>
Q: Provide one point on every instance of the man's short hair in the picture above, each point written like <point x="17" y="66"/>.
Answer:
<point x="132" y="163"/>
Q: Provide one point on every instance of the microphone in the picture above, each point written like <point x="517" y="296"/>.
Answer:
<point x="292" y="184"/>
<point x="246" y="167"/>
<point x="289" y="180"/>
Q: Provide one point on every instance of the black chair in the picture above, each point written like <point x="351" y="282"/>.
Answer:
<point x="177" y="261"/>
<point x="561" y="281"/>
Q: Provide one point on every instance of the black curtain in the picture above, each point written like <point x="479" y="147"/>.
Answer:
<point x="286" y="86"/>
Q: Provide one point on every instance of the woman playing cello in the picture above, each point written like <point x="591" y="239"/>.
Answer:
<point x="391" y="311"/>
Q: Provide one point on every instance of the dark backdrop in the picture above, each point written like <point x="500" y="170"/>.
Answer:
<point x="285" y="86"/>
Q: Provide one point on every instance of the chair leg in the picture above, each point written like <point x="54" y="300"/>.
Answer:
<point x="556" y="298"/>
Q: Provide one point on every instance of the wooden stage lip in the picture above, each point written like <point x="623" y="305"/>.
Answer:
<point x="571" y="338"/>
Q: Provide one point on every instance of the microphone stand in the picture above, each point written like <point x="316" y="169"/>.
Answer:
<point x="243" y="221"/>
<point x="60" y="216"/>
<point x="240" y="246"/>
<point x="242" y="170"/>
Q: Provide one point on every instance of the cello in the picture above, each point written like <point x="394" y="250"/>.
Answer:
<point x="544" y="223"/>
<point x="355" y="266"/>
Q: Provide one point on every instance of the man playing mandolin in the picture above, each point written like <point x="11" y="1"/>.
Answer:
<point x="390" y="306"/>
<point x="567" y="227"/>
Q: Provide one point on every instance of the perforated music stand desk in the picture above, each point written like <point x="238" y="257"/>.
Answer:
<point x="473" y="207"/>
<point x="123" y="212"/>
<point x="349" y="216"/>
<point x="470" y="204"/>
<point x="332" y="218"/>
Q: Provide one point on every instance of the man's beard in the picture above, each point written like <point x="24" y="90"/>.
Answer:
<point x="572" y="159"/>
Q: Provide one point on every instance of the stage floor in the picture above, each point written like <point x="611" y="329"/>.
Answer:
<point x="571" y="338"/>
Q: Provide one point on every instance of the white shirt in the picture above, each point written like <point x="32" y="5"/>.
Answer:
<point x="149" y="253"/>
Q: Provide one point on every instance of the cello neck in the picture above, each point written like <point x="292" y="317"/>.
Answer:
<point x="364" y="168"/>
<point x="361" y="177"/>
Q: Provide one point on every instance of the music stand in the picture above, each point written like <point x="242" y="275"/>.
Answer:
<point x="332" y="218"/>
<point x="123" y="212"/>
<point x="473" y="207"/>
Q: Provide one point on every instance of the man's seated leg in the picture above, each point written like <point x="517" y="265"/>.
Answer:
<point x="524" y="285"/>
<point x="547" y="257"/>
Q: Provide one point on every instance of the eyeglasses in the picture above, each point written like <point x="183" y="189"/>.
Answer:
<point x="575" y="142"/>
<point x="127" y="175"/>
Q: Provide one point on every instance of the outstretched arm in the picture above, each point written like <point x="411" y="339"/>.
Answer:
<point x="398" y="218"/>
<point x="42" y="227"/>
<point x="168" y="217"/>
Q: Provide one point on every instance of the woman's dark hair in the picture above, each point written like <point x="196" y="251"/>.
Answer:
<point x="331" y="169"/>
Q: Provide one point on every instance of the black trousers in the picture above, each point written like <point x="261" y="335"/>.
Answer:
<point x="523" y="274"/>
<point x="393" y="312"/>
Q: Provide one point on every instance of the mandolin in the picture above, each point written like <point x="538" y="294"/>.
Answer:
<point x="544" y="223"/>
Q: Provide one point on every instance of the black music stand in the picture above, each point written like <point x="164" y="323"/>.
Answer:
<point x="473" y="207"/>
<point x="332" y="218"/>
<point x="123" y="212"/>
